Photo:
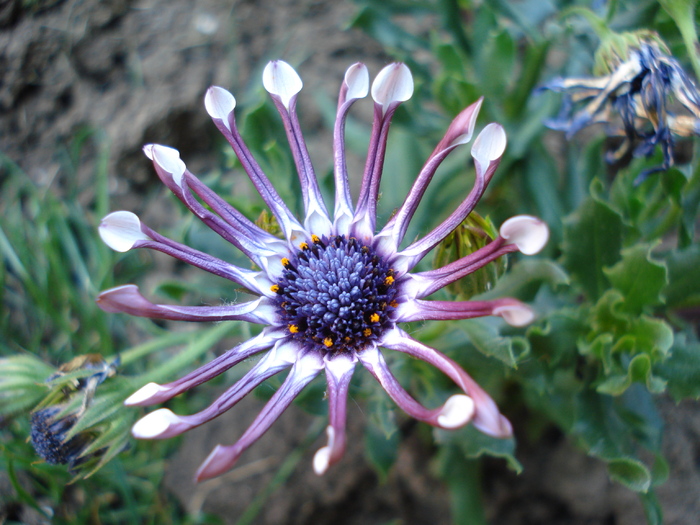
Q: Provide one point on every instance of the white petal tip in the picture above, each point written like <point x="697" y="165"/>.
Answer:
<point x="219" y="103"/>
<point x="490" y="144"/>
<point x="357" y="81"/>
<point x="154" y="425"/>
<point x="516" y="314"/>
<point x="322" y="460"/>
<point x="120" y="230"/>
<point x="457" y="412"/>
<point x="144" y="394"/>
<point x="281" y="80"/>
<point x="529" y="234"/>
<point x="393" y="84"/>
<point x="168" y="159"/>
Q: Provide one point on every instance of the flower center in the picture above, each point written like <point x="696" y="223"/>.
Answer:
<point x="336" y="294"/>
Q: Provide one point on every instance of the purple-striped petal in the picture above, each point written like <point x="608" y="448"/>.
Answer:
<point x="392" y="86"/>
<point x="127" y="299"/>
<point x="217" y="101"/>
<point x="284" y="84"/>
<point x="339" y="370"/>
<point x="223" y="458"/>
<point x="123" y="231"/>
<point x="459" y="132"/>
<point x="487" y="417"/>
<point x="163" y="423"/>
<point x="354" y="87"/>
<point x="513" y="311"/>
<point x="456" y="412"/>
<point x="153" y="393"/>
<point x="487" y="151"/>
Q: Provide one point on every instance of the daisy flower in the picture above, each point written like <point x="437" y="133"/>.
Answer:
<point x="332" y="291"/>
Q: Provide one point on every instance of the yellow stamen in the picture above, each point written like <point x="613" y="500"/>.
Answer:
<point x="394" y="304"/>
<point x="374" y="318"/>
<point x="304" y="246"/>
<point x="367" y="332"/>
<point x="389" y="280"/>
<point x="285" y="262"/>
<point x="328" y="342"/>
<point x="274" y="288"/>
<point x="316" y="239"/>
<point x="293" y="329"/>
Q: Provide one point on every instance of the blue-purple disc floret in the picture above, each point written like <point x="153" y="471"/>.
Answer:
<point x="331" y="291"/>
<point x="336" y="294"/>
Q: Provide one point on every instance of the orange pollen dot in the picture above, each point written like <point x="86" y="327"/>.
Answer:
<point x="394" y="304"/>
<point x="304" y="246"/>
<point x="374" y="318"/>
<point x="328" y="342"/>
<point x="285" y="262"/>
<point x="293" y="329"/>
<point x="367" y="332"/>
<point x="274" y="288"/>
<point x="316" y="239"/>
<point x="389" y="280"/>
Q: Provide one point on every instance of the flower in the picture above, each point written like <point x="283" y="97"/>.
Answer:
<point x="331" y="292"/>
<point x="634" y="98"/>
<point x="54" y="424"/>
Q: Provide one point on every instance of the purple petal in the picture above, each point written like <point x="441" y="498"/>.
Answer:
<point x="355" y="86"/>
<point x="392" y="86"/>
<point x="153" y="393"/>
<point x="163" y="423"/>
<point x="127" y="299"/>
<point x="456" y="412"/>
<point x="459" y="132"/>
<point x="216" y="105"/>
<point x="513" y="311"/>
<point x="283" y="84"/>
<point x="223" y="458"/>
<point x="339" y="370"/>
<point x="487" y="152"/>
<point x="487" y="417"/>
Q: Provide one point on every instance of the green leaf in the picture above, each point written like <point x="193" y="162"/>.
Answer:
<point x="640" y="279"/>
<point x="475" y="444"/>
<point x="683" y="288"/>
<point x="382" y="443"/>
<point x="682" y="368"/>
<point x="631" y="473"/>
<point x="525" y="278"/>
<point x="485" y="336"/>
<point x="639" y="370"/>
<point x="592" y="241"/>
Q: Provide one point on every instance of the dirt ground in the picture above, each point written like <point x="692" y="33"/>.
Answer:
<point x="138" y="69"/>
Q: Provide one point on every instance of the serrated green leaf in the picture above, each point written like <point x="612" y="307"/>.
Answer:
<point x="639" y="278"/>
<point x="682" y="368"/>
<point x="525" y="278"/>
<point x="484" y="335"/>
<point x="475" y="444"/>
<point x="592" y="241"/>
<point x="631" y="473"/>
<point x="639" y="370"/>
<point x="683" y="287"/>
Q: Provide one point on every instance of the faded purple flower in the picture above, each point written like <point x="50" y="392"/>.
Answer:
<point x="332" y="291"/>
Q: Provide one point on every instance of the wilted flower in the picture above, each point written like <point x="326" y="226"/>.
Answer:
<point x="331" y="292"/>
<point x="639" y="98"/>
<point x="53" y="424"/>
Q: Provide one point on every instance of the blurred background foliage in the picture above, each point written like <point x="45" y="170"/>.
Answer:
<point x="616" y="290"/>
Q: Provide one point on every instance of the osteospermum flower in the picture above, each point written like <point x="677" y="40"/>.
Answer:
<point x="644" y="96"/>
<point x="332" y="292"/>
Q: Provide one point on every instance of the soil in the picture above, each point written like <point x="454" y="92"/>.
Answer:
<point x="138" y="69"/>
